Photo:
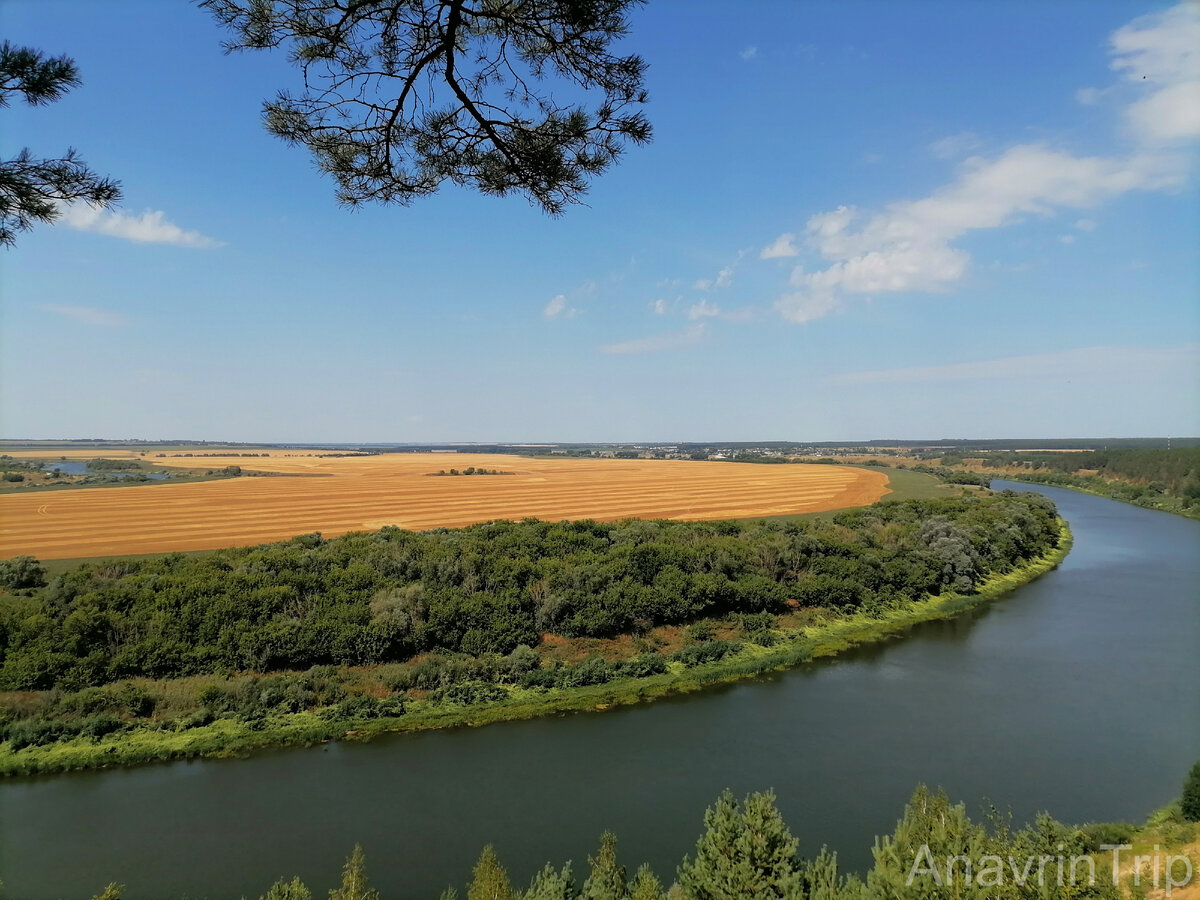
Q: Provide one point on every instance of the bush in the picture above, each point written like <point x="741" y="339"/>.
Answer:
<point x="1190" y="803"/>
<point x="136" y="701"/>
<point x="763" y="638"/>
<point x="709" y="651"/>
<point x="593" y="670"/>
<point x="364" y="707"/>
<point x="1097" y="834"/>
<point x="96" y="727"/>
<point x="540" y="678"/>
<point x="642" y="666"/>
<point x="468" y="692"/>
<point x="22" y="572"/>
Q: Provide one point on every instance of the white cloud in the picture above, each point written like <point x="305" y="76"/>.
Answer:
<point x="749" y="53"/>
<point x="1162" y="51"/>
<point x="955" y="146"/>
<point x="703" y="310"/>
<point x="660" y="307"/>
<point x="782" y="247"/>
<point x="86" y="315"/>
<point x="1076" y="363"/>
<point x="1086" y="224"/>
<point x="558" y="308"/>
<point x="723" y="279"/>
<point x="1066" y="238"/>
<point x="909" y="246"/>
<point x="1090" y="96"/>
<point x="151" y="227"/>
<point x="673" y="340"/>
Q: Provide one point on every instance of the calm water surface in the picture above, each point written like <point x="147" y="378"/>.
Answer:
<point x="1079" y="693"/>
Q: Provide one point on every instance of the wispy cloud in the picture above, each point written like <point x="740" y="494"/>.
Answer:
<point x="781" y="248"/>
<point x="151" y="227"/>
<point x="703" y="310"/>
<point x="657" y="343"/>
<point x="723" y="279"/>
<point x="749" y="53"/>
<point x="86" y="315"/>
<point x="955" y="146"/>
<point x="1161" y="51"/>
<point x="1063" y="365"/>
<point x="558" y="308"/>
<point x="909" y="245"/>
<point x="1085" y="224"/>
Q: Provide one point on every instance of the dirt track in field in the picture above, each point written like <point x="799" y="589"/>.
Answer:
<point x="367" y="492"/>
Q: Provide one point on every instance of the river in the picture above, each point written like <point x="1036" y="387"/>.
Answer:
<point x="1079" y="693"/>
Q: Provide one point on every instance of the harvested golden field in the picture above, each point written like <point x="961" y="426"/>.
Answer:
<point x="334" y="495"/>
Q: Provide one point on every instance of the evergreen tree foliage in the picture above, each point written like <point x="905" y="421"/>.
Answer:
<point x="355" y="885"/>
<point x="745" y="851"/>
<point x="930" y="821"/>
<point x="551" y="884"/>
<point x="607" y="878"/>
<point x="288" y="890"/>
<point x="489" y="880"/>
<point x="32" y="188"/>
<point x="400" y="96"/>
<point x="645" y="885"/>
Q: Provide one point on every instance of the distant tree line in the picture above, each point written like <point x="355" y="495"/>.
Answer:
<point x="469" y="470"/>
<point x="113" y="465"/>
<point x="1177" y="470"/>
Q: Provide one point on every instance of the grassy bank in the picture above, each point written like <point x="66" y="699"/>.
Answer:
<point x="790" y="647"/>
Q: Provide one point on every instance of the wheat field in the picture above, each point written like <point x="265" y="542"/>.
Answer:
<point x="334" y="495"/>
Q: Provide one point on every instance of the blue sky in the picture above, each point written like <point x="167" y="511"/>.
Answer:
<point x="857" y="220"/>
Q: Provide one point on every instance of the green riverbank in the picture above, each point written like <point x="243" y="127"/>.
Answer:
<point x="228" y="737"/>
<point x="1110" y="490"/>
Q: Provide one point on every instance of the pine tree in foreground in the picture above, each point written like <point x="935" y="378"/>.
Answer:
<point x="744" y="852"/>
<point x="354" y="879"/>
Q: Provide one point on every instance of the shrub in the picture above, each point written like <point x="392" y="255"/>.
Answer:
<point x="22" y="572"/>
<point x="1190" y="803"/>
<point x="468" y="692"/>
<point x="642" y="666"/>
<point x="1097" y="834"/>
<point x="97" y="726"/>
<point x="593" y="670"/>
<point x="709" y="651"/>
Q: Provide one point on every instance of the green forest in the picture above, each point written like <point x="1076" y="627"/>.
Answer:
<point x="359" y="627"/>
<point x="367" y="598"/>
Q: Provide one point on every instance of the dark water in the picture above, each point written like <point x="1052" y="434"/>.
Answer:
<point x="1079" y="694"/>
